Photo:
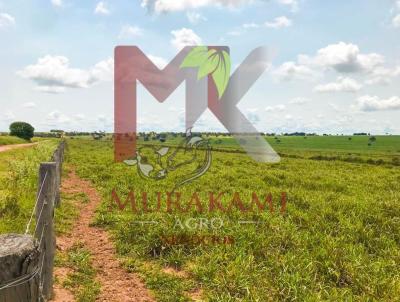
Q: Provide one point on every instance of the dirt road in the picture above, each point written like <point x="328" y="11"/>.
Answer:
<point x="116" y="283"/>
<point x="12" y="147"/>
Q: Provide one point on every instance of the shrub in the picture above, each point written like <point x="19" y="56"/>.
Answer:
<point x="22" y="130"/>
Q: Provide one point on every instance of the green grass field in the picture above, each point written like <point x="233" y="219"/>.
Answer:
<point x="11" y="140"/>
<point x="339" y="239"/>
<point x="18" y="184"/>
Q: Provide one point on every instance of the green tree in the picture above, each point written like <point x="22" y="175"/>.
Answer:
<point x="22" y="130"/>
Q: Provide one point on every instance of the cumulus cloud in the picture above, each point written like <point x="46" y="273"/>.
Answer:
<point x="101" y="9"/>
<point x="184" y="37"/>
<point x="6" y="20"/>
<point x="129" y="31"/>
<point x="341" y="57"/>
<point x="383" y="75"/>
<point x="290" y="71"/>
<point x="279" y="22"/>
<point x="341" y="85"/>
<point x="374" y="103"/>
<point x="165" y="6"/>
<point x="53" y="74"/>
<point x="344" y="58"/>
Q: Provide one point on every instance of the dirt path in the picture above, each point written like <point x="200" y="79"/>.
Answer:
<point x="18" y="146"/>
<point x="117" y="285"/>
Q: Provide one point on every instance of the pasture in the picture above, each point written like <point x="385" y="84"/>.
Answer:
<point x="18" y="184"/>
<point x="339" y="239"/>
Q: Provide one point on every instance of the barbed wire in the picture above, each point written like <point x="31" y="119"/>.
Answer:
<point x="36" y="203"/>
<point x="40" y="215"/>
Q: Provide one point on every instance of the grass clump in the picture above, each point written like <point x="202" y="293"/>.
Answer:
<point x="81" y="280"/>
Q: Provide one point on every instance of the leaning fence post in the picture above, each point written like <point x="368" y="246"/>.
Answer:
<point x="44" y="231"/>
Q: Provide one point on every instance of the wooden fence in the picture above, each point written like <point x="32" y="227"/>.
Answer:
<point x="26" y="261"/>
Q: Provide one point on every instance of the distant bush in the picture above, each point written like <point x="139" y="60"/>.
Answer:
<point x="22" y="130"/>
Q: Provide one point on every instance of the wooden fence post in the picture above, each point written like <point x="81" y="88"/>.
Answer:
<point x="19" y="265"/>
<point x="44" y="231"/>
<point x="58" y="157"/>
<point x="57" y="160"/>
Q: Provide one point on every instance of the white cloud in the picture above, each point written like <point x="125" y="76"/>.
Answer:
<point x="158" y="61"/>
<point x="101" y="9"/>
<point x="290" y="70"/>
<point x="253" y="117"/>
<point x="250" y="25"/>
<point x="383" y="75"/>
<point x="236" y="32"/>
<point x="293" y="3"/>
<point x="341" y="85"/>
<point x="344" y="58"/>
<point x="279" y="22"/>
<point x="374" y="103"/>
<point x="6" y="20"/>
<point x="29" y="105"/>
<point x="53" y="115"/>
<point x="53" y="74"/>
<point x="9" y="116"/>
<point x="57" y="3"/>
<point x="275" y="108"/>
<point x="103" y="71"/>
<point x="396" y="21"/>
<point x="334" y="107"/>
<point x="299" y="101"/>
<point x="50" y="89"/>
<point x="55" y="118"/>
<point x="184" y="37"/>
<point x="79" y="117"/>
<point x="165" y="6"/>
<point x="195" y="17"/>
<point x="129" y="31"/>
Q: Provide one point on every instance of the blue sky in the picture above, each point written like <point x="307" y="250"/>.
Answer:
<point x="335" y="65"/>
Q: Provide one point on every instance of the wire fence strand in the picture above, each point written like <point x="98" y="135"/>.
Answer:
<point x="36" y="203"/>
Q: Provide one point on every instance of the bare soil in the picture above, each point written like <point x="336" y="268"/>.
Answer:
<point x="117" y="285"/>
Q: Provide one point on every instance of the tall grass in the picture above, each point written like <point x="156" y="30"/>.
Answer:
<point x="18" y="184"/>
<point x="11" y="140"/>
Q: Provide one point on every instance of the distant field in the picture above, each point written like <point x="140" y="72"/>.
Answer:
<point x="11" y="140"/>
<point x="386" y="149"/>
<point x="358" y="144"/>
<point x="338" y="241"/>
